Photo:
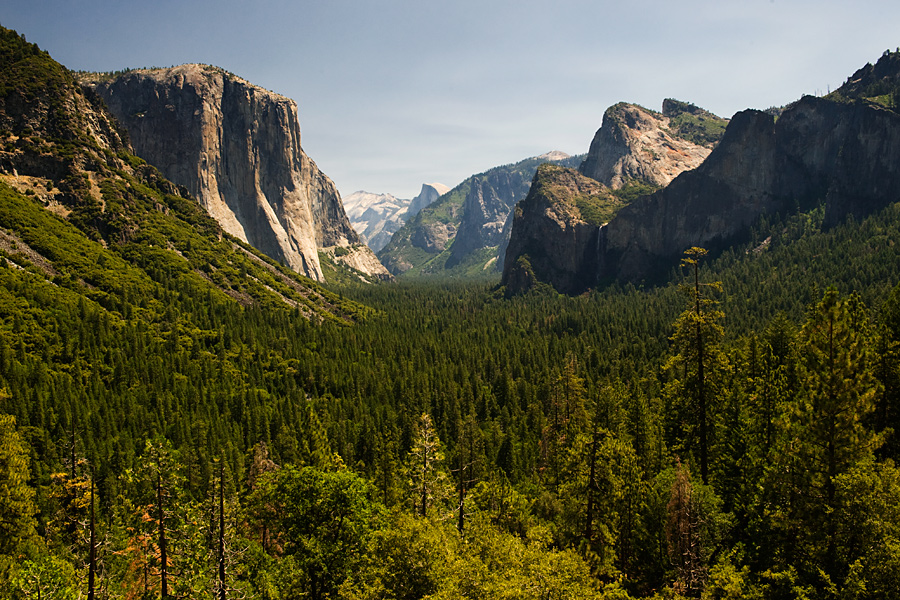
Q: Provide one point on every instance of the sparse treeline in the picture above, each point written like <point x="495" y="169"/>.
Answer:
<point x="458" y="444"/>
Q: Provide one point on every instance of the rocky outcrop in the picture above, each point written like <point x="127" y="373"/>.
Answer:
<point x="845" y="154"/>
<point x="128" y="231"/>
<point x="427" y="195"/>
<point x="376" y="217"/>
<point x="486" y="209"/>
<point x="635" y="151"/>
<point x="637" y="144"/>
<point x="555" y="231"/>
<point x="236" y="148"/>
<point x="843" y="151"/>
<point x="361" y="261"/>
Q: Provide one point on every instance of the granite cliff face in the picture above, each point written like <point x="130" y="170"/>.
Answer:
<point x="120" y="234"/>
<point x="843" y="151"/>
<point x="635" y="151"/>
<point x="427" y="195"/>
<point x="847" y="154"/>
<point x="556" y="230"/>
<point x="376" y="217"/>
<point x="637" y="144"/>
<point x="486" y="208"/>
<point x="236" y="148"/>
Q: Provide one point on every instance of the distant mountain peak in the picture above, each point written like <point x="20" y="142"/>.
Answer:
<point x="553" y="155"/>
<point x="377" y="216"/>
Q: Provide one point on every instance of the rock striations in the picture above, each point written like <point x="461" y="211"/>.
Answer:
<point x="236" y="148"/>
<point x="556" y="229"/>
<point x="486" y="209"/>
<point x="95" y="226"/>
<point x="845" y="154"/>
<point x="635" y="151"/>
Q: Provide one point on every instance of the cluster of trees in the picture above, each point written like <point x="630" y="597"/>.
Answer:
<point x="386" y="460"/>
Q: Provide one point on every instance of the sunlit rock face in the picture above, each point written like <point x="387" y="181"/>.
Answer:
<point x="236" y="148"/>
<point x="634" y="143"/>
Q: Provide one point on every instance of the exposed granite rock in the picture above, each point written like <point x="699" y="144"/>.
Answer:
<point x="845" y="154"/>
<point x="427" y="195"/>
<point x="555" y="231"/>
<point x="472" y="215"/>
<point x="843" y="151"/>
<point x="236" y="148"/>
<point x="486" y="209"/>
<point x="361" y="259"/>
<point x="634" y="143"/>
<point x="374" y="216"/>
<point x="433" y="237"/>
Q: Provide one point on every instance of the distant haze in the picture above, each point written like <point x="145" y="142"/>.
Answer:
<point x="395" y="93"/>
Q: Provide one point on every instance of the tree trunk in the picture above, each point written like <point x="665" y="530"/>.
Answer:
<point x="425" y="482"/>
<point x="589" y="518"/>
<point x="163" y="556"/>
<point x="701" y="392"/>
<point x="92" y="551"/>
<point x="221" y="594"/>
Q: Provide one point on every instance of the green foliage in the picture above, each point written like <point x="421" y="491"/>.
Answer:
<point x="324" y="519"/>
<point x="699" y="129"/>
<point x="27" y="70"/>
<point x="634" y="189"/>
<point x="17" y="508"/>
<point x="414" y="260"/>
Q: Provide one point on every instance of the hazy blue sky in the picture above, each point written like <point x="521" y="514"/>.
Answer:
<point x="393" y="93"/>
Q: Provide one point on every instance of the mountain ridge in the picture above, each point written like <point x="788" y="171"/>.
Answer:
<point x="842" y="151"/>
<point x="68" y="173"/>
<point x="479" y="207"/>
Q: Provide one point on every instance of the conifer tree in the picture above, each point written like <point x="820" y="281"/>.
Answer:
<point x="17" y="507"/>
<point x="838" y="391"/>
<point x="424" y="467"/>
<point x="696" y="364"/>
<point x="822" y="436"/>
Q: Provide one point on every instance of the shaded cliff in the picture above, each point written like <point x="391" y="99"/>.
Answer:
<point x="485" y="210"/>
<point x="555" y="231"/>
<point x="845" y="154"/>
<point x="236" y="148"/>
<point x="92" y="225"/>
<point x="842" y="151"/>
<point x="636" y="151"/>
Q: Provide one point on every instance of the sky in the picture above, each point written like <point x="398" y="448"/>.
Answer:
<point x="395" y="93"/>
